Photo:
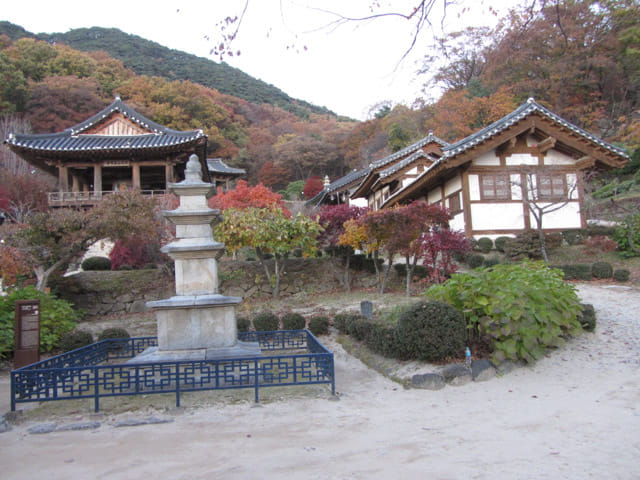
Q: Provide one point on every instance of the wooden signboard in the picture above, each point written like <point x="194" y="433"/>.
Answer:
<point x="27" y="333"/>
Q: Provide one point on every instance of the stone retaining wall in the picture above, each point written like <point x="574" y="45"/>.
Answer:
<point x="103" y="293"/>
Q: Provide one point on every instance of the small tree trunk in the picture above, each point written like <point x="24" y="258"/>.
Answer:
<point x="410" y="268"/>
<point x="347" y="279"/>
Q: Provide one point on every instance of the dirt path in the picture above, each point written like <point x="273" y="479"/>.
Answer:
<point x="574" y="415"/>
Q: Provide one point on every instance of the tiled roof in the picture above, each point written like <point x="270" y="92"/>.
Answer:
<point x="431" y="138"/>
<point x="514" y="117"/>
<point x="216" y="165"/>
<point x="404" y="163"/>
<point x="73" y="140"/>
<point x="338" y="184"/>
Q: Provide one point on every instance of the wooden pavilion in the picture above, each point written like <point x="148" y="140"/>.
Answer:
<point x="116" y="149"/>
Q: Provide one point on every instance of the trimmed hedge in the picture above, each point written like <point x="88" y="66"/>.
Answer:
<point x="319" y="325"/>
<point x="485" y="244"/>
<point x="75" y="339"/>
<point x="96" y="264"/>
<point x="576" y="271"/>
<point x="474" y="260"/>
<point x="293" y="321"/>
<point x="601" y="270"/>
<point x="266" y="322"/>
<point x="621" y="275"/>
<point x="574" y="237"/>
<point x="500" y="242"/>
<point x="491" y="261"/>
<point x="430" y="331"/>
<point x="243" y="323"/>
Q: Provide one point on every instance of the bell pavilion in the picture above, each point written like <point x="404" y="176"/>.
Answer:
<point x="116" y="149"/>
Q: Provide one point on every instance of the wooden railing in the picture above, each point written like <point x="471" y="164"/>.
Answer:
<point x="71" y="199"/>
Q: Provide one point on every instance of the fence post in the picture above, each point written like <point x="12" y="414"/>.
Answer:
<point x="256" y="383"/>
<point x="96" y="390"/>
<point x="177" y="384"/>
<point x="13" y="392"/>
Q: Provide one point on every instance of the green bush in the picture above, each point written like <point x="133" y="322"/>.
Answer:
<point x="523" y="246"/>
<point x="621" y="275"/>
<point x="576" y="271"/>
<point x="124" y="266"/>
<point x="500" y="242"/>
<point x="150" y="266"/>
<point x="75" y="339"/>
<point x="524" y="309"/>
<point x="96" y="263"/>
<point x="485" y="244"/>
<point x="293" y="321"/>
<point x="597" y="230"/>
<point x="351" y="323"/>
<point x="401" y="269"/>
<point x="244" y="324"/>
<point x="491" y="261"/>
<point x="319" y="325"/>
<point x="266" y="322"/>
<point x="628" y="236"/>
<point x="430" y="331"/>
<point x="587" y="317"/>
<point x="601" y="270"/>
<point x="57" y="317"/>
<point x="474" y="260"/>
<point x="383" y="339"/>
<point x="573" y="237"/>
<point x="114" y="332"/>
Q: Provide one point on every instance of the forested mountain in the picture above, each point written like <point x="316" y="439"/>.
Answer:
<point x="580" y="58"/>
<point x="152" y="59"/>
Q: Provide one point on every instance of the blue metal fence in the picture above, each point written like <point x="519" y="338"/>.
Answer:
<point x="290" y="357"/>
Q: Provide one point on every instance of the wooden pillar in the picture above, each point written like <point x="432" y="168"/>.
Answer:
<point x="168" y="175"/>
<point x="97" y="178"/>
<point x="63" y="178"/>
<point x="75" y="183"/>
<point x="135" y="175"/>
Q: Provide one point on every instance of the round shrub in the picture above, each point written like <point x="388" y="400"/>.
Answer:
<point x="474" y="260"/>
<point x="430" y="331"/>
<point x="319" y="325"/>
<point x="602" y="270"/>
<point x="553" y="240"/>
<point x="524" y="245"/>
<point x="576" y="271"/>
<point x="293" y="321"/>
<point x="124" y="266"/>
<point x="621" y="275"/>
<point x="75" y="339"/>
<point x="115" y="332"/>
<point x="500" y="242"/>
<point x="244" y="324"/>
<point x="491" y="261"/>
<point x="266" y="322"/>
<point x="96" y="263"/>
<point x="485" y="244"/>
<point x="587" y="317"/>
<point x="383" y="339"/>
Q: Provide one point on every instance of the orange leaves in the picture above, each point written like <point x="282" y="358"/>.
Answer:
<point x="244" y="196"/>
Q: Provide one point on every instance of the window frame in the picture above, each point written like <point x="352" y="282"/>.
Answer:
<point x="495" y="177"/>
<point x="552" y="195"/>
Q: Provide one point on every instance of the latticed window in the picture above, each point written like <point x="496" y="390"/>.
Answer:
<point x="495" y="187"/>
<point x="454" y="203"/>
<point x="552" y="187"/>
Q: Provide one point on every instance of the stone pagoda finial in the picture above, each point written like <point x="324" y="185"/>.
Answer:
<point x="193" y="171"/>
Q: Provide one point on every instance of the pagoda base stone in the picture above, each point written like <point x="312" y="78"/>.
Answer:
<point x="239" y="350"/>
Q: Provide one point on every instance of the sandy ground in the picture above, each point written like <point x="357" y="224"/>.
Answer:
<point x="573" y="415"/>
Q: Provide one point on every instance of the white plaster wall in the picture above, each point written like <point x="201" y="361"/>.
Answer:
<point x="487" y="159"/>
<point x="434" y="196"/>
<point x="453" y="185"/>
<point x="358" y="202"/>
<point x="497" y="216"/>
<point x="553" y="157"/>
<point x="567" y="217"/>
<point x="521" y="159"/>
<point x="572" y="186"/>
<point x="407" y="181"/>
<point x="474" y="187"/>
<point x="457" y="222"/>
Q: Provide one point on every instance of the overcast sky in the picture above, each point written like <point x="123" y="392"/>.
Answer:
<point x="347" y="69"/>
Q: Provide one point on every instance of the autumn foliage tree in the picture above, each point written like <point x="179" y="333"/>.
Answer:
<point x="244" y="196"/>
<point x="312" y="187"/>
<point x="268" y="231"/>
<point x="333" y="218"/>
<point x="51" y="240"/>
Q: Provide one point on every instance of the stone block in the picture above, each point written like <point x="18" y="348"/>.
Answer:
<point x="482" y="370"/>
<point x="456" y="374"/>
<point x="428" y="381"/>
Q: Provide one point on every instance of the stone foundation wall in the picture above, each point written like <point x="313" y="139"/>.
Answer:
<point x="104" y="293"/>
